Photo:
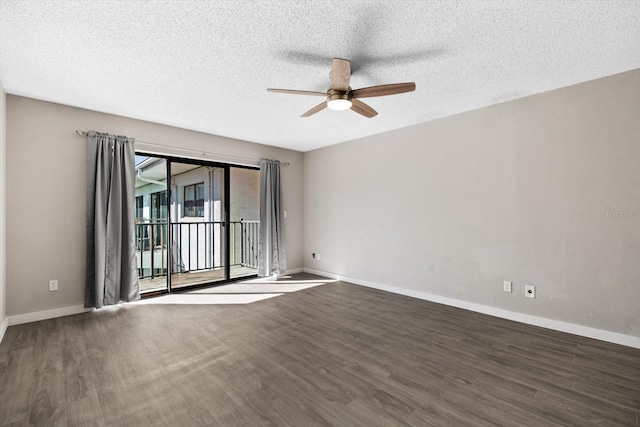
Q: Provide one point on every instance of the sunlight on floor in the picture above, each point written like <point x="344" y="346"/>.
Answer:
<point x="257" y="288"/>
<point x="245" y="292"/>
<point x="193" y="299"/>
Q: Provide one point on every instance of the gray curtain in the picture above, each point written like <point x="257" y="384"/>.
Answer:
<point x="111" y="252"/>
<point x="272" y="256"/>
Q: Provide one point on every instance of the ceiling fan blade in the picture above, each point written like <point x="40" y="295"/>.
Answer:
<point x="297" y="92"/>
<point x="362" y="108"/>
<point x="315" y="109"/>
<point x="383" y="90"/>
<point x="340" y="74"/>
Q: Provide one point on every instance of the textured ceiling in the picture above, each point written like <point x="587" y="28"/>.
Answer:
<point x="206" y="65"/>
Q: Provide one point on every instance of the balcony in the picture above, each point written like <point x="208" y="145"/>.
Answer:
<point x="197" y="252"/>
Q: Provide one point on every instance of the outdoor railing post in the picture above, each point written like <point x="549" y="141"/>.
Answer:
<point x="152" y="249"/>
<point x="140" y="249"/>
<point x="162" y="242"/>
<point x="242" y="242"/>
<point x="198" y="246"/>
<point x="213" y="246"/>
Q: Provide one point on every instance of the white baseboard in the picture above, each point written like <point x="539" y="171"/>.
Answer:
<point x="19" y="319"/>
<point x="295" y="270"/>
<point x="585" y="331"/>
<point x="3" y="327"/>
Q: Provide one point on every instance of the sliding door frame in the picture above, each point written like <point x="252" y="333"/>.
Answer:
<point x="226" y="167"/>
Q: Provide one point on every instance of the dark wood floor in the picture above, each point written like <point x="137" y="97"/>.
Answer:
<point x="336" y="354"/>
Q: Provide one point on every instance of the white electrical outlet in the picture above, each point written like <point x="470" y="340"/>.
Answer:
<point x="530" y="291"/>
<point x="317" y="256"/>
<point x="53" y="285"/>
<point x="506" y="286"/>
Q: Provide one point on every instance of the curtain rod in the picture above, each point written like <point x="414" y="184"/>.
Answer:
<point x="82" y="133"/>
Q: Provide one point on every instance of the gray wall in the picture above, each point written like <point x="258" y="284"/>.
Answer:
<point x="46" y="183"/>
<point x="245" y="195"/>
<point x="3" y="247"/>
<point x="543" y="190"/>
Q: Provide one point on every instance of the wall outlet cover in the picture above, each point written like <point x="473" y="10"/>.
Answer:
<point x="53" y="285"/>
<point x="530" y="291"/>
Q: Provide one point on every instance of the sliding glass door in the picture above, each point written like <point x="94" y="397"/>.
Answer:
<point x="198" y="224"/>
<point x="207" y="220"/>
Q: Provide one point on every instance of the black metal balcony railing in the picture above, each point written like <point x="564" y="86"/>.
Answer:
<point x="249" y="238"/>
<point x="196" y="246"/>
<point x="151" y="245"/>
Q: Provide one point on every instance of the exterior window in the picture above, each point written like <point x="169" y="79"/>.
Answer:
<point x="159" y="205"/>
<point x="139" y="209"/>
<point x="158" y="219"/>
<point x="194" y="200"/>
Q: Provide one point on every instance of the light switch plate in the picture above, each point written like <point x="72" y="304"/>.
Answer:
<point x="507" y="286"/>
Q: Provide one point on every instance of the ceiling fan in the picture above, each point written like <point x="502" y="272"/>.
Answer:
<point x="340" y="96"/>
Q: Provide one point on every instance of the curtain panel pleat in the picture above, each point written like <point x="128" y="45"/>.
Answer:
<point x="272" y="255"/>
<point x="111" y="251"/>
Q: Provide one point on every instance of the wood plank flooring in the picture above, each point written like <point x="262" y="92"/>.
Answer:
<point x="336" y="354"/>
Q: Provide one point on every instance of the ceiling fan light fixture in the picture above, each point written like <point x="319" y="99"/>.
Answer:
<point x="339" y="101"/>
<point x="339" y="104"/>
